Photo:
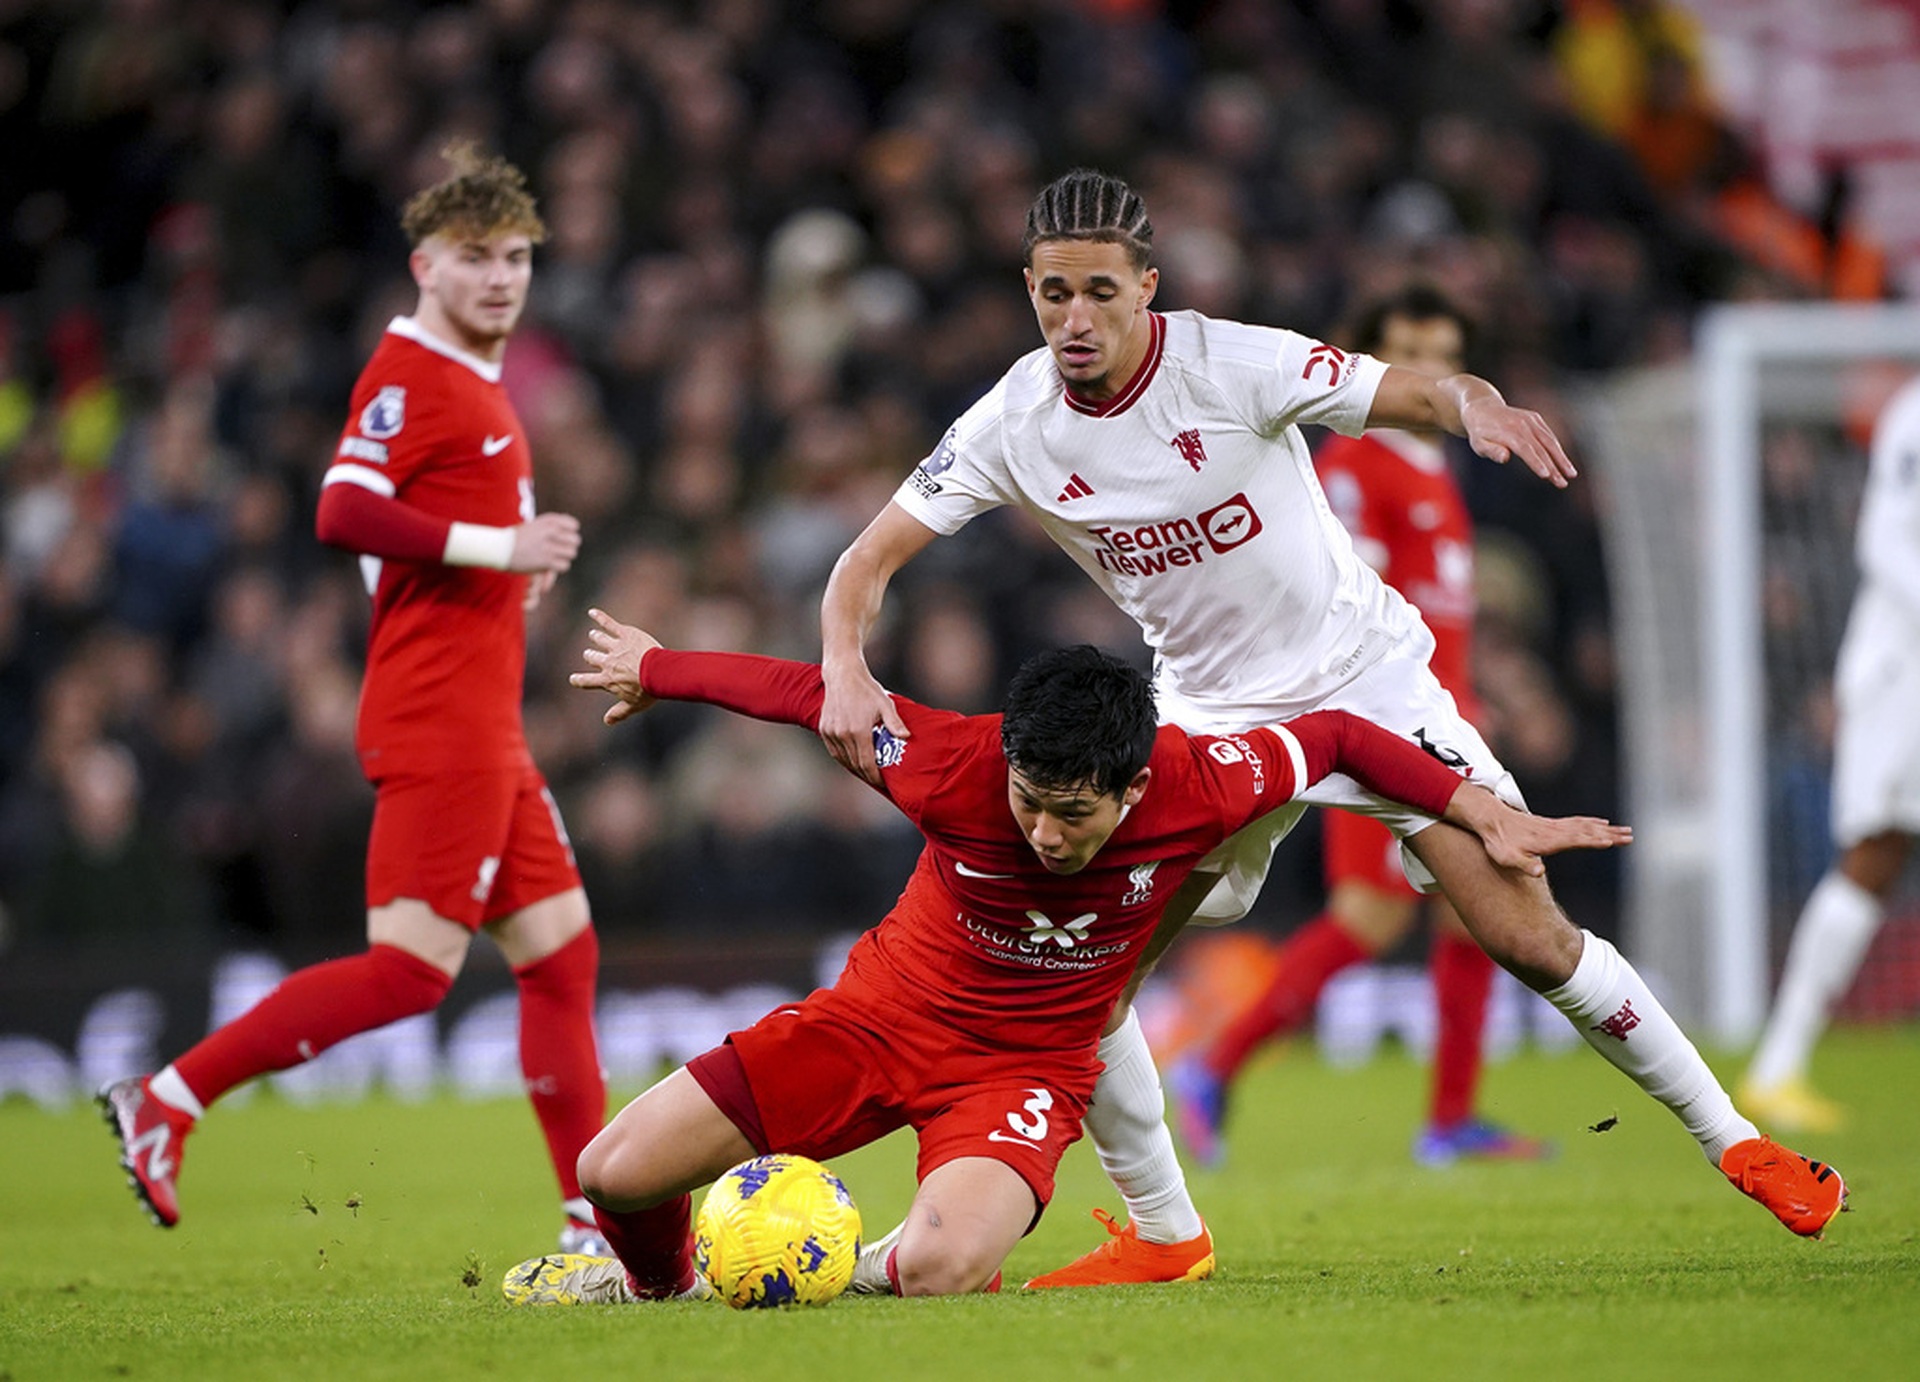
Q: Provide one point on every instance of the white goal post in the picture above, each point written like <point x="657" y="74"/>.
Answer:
<point x="1680" y="461"/>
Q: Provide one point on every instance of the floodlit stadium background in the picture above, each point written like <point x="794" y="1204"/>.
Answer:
<point x="784" y="255"/>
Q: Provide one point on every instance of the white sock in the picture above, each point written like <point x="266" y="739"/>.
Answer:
<point x="870" y="1275"/>
<point x="171" y="1090"/>
<point x="1128" y="1124"/>
<point x="1829" y="941"/>
<point x="580" y="1208"/>
<point x="1611" y="1006"/>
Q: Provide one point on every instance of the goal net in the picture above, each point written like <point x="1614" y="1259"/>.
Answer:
<point x="1731" y="486"/>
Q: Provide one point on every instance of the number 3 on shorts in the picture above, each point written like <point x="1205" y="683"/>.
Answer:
<point x="1031" y="1130"/>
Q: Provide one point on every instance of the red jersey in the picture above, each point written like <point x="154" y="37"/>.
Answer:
<point x="431" y="426"/>
<point x="1394" y="493"/>
<point x="985" y="940"/>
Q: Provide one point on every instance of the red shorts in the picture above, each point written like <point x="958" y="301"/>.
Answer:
<point x="1359" y="849"/>
<point x="834" y="1073"/>
<point x="473" y="846"/>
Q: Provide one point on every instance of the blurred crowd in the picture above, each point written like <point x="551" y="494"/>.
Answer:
<point x="784" y="253"/>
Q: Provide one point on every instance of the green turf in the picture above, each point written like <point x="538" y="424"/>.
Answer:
<point x="1624" y="1258"/>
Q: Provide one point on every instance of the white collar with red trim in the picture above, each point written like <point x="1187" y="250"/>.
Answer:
<point x="1143" y="376"/>
<point x="409" y="327"/>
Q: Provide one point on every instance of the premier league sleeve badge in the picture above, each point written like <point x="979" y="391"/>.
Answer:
<point x="386" y="414"/>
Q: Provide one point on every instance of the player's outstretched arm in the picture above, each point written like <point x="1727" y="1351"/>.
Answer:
<point x="1468" y="406"/>
<point x="855" y="699"/>
<point x="1519" y="840"/>
<point x="614" y="660"/>
<point x="633" y="667"/>
<point x="1338" y="741"/>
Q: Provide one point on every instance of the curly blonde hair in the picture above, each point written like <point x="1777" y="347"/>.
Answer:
<point x="485" y="197"/>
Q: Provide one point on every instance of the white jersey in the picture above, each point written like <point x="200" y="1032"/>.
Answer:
<point x="1888" y="544"/>
<point x="1876" y="771"/>
<point x="1191" y="499"/>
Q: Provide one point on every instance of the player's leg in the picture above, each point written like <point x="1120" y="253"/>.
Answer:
<point x="810" y="1078"/>
<point x="411" y="960"/>
<point x="554" y="954"/>
<point x="1876" y="812"/>
<point x="1370" y="909"/>
<point x="672" y="1139"/>
<point x="1462" y="984"/>
<point x="966" y="1217"/>
<point x="538" y="915"/>
<point x="1362" y="921"/>
<point x="407" y="969"/>
<point x="639" y="1174"/>
<point x="1127" y="1123"/>
<point x="1829" y="941"/>
<point x="993" y="1126"/>
<point x="1165" y="1238"/>
<point x="1127" y="1119"/>
<point x="421" y="873"/>
<point x="1517" y="922"/>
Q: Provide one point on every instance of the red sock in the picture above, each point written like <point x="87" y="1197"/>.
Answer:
<point x="310" y="1010"/>
<point x="1314" y="954"/>
<point x="654" y="1245"/>
<point x="558" y="1055"/>
<point x="1462" y="980"/>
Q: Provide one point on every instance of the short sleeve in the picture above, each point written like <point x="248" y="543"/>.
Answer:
<point x="966" y="475"/>
<point x="397" y="420"/>
<point x="1310" y="381"/>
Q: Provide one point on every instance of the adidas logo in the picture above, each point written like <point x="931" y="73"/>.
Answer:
<point x="1076" y="489"/>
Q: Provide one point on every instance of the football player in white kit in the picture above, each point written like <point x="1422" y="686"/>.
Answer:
<point x="1876" y="779"/>
<point x="1162" y="452"/>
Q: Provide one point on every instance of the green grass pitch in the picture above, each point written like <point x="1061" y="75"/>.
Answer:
<point x="369" y="1241"/>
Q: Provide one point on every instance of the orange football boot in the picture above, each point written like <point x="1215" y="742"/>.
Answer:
<point x="1804" y="1195"/>
<point x="1125" y="1260"/>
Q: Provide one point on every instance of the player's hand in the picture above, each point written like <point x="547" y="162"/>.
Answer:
<point x="538" y="584"/>
<point x="545" y="542"/>
<point x="615" y="660"/>
<point x="1497" y="430"/>
<point x="1519" y="840"/>
<point x="855" y="703"/>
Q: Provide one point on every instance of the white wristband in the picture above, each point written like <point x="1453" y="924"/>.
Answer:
<point x="475" y="544"/>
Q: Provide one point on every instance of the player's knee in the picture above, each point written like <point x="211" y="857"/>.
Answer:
<point x="942" y="1269"/>
<point x="1542" y="955"/>
<point x="1375" y="919"/>
<point x="614" y="1171"/>
<point x="600" y="1171"/>
<point x="412" y="985"/>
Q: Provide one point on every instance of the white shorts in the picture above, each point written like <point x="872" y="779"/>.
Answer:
<point x="1399" y="693"/>
<point x="1876" y="750"/>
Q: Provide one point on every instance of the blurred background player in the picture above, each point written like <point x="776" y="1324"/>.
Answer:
<point x="1876" y="779"/>
<point x="432" y="484"/>
<point x="1396" y="495"/>
<point x="1162" y="451"/>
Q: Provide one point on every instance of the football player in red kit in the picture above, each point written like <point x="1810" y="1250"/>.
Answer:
<point x="1055" y="833"/>
<point x="432" y="485"/>
<point x="1395" y="493"/>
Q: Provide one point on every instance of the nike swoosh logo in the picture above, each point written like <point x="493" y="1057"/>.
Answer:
<point x="493" y="446"/>
<point x="963" y="870"/>
<point x="997" y="1136"/>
